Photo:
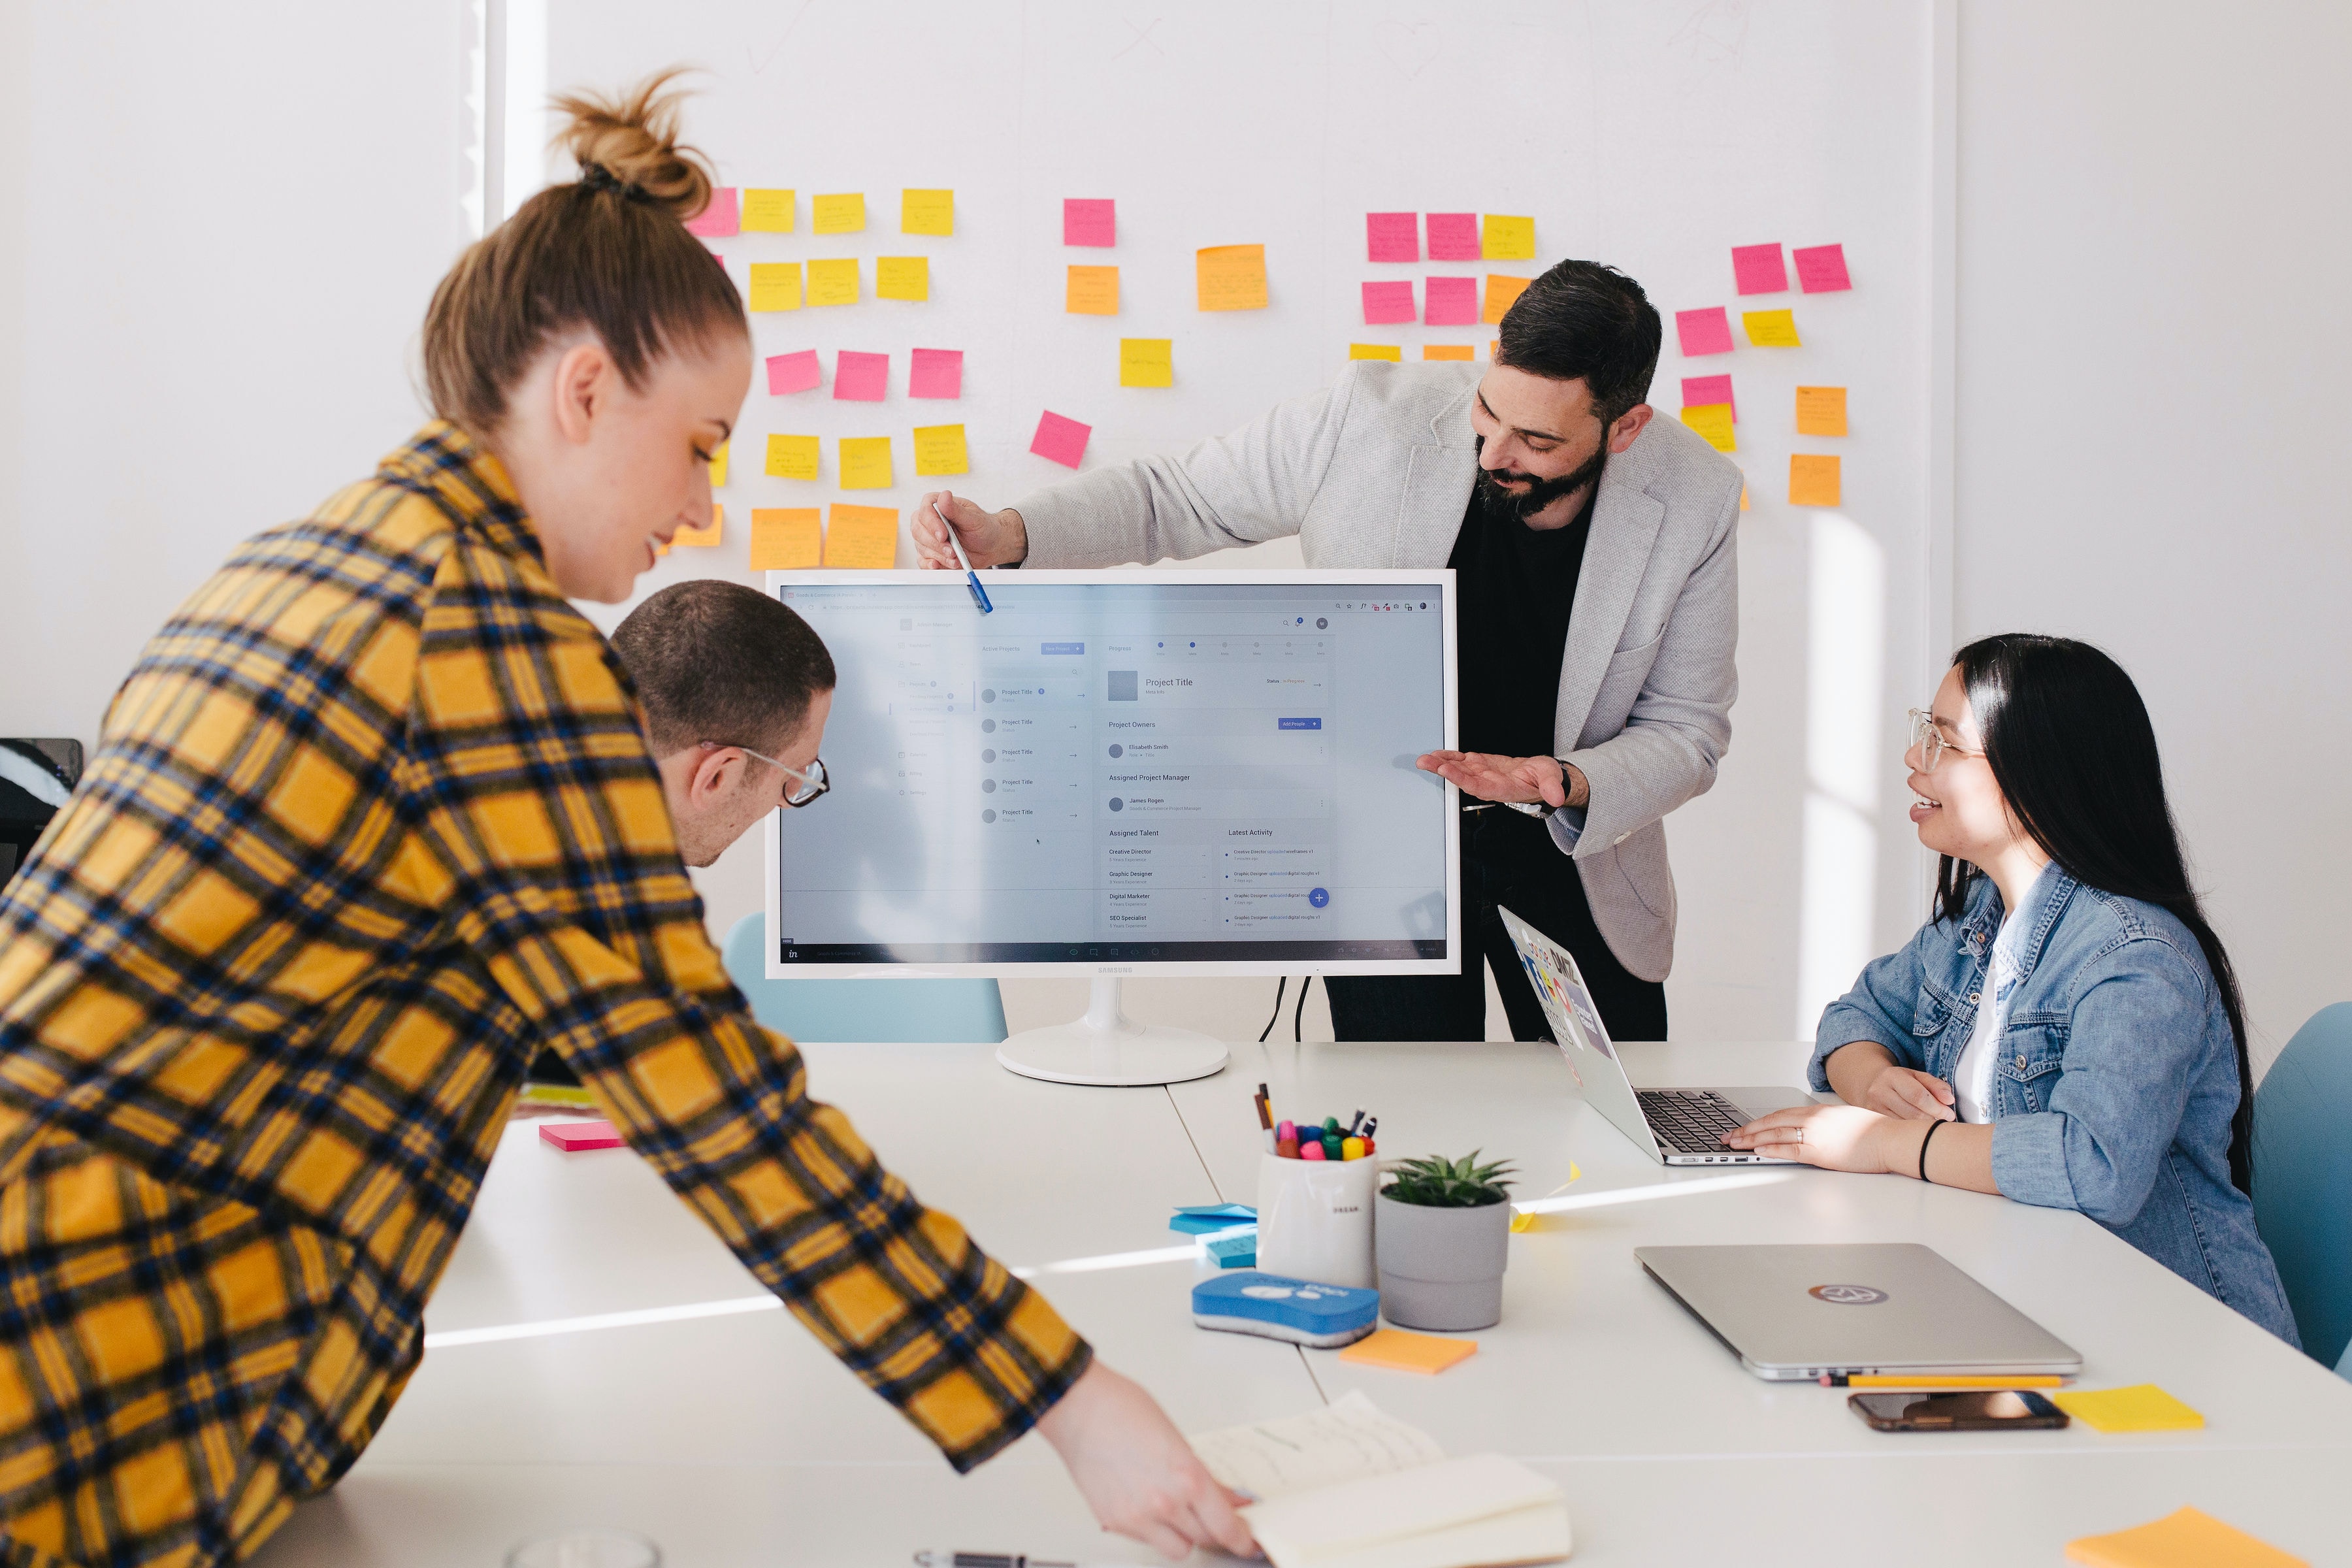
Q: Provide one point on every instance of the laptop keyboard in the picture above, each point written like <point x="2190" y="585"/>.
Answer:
<point x="1690" y="1121"/>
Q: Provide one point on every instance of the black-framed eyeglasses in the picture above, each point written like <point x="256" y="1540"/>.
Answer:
<point x="1929" y="737"/>
<point x="806" y="785"/>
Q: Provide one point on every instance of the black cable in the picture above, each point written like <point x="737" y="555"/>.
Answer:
<point x="1279" y="986"/>
<point x="1296" y="1017"/>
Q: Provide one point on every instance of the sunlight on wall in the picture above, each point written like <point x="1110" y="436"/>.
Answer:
<point x="1844" y="676"/>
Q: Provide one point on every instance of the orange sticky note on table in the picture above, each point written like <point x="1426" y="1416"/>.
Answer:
<point x="1820" y="411"/>
<point x="1713" y="421"/>
<point x="2186" y="1538"/>
<point x="1500" y="292"/>
<point x="785" y="537"/>
<point x="1092" y="291"/>
<point x="709" y="534"/>
<point x="1448" y="351"/>
<point x="1813" y="479"/>
<point x="1232" y="277"/>
<point x="862" y="536"/>
<point x="1376" y="350"/>
<point x="1401" y="1352"/>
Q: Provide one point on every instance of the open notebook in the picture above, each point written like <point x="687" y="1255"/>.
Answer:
<point x="1348" y="1487"/>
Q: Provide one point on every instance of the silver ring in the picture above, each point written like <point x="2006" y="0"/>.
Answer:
<point x="1800" y="1134"/>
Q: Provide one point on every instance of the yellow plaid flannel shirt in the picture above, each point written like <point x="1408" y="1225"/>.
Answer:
<point x="370" y="821"/>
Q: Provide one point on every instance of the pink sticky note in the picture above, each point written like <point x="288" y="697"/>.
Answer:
<point x="794" y="372"/>
<point x="1392" y="236"/>
<point x="577" y="1135"/>
<point x="1453" y="237"/>
<point x="1452" y="301"/>
<point x="938" y="372"/>
<point x="1385" y="302"/>
<point x="1759" y="269"/>
<point x="1701" y="390"/>
<point x="1062" y="440"/>
<point x="1089" y="221"/>
<point x="860" y="378"/>
<point x="1821" y="268"/>
<point x="718" y="220"/>
<point x="1707" y="332"/>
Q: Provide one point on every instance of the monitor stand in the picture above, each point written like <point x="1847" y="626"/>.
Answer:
<point x="1108" y="1048"/>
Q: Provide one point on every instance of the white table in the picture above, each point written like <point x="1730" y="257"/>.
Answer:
<point x="734" y="1439"/>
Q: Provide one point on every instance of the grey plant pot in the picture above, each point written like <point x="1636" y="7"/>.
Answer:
<point x="1441" y="1268"/>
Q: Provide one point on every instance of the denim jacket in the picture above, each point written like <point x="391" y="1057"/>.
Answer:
<point x="2116" y="1078"/>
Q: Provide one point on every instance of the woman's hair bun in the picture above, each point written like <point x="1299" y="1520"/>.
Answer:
<point x="634" y="139"/>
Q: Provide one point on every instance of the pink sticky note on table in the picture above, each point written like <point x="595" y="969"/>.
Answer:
<point x="1699" y="390"/>
<point x="794" y="372"/>
<point x="938" y="372"/>
<point x="1821" y="268"/>
<point x="1707" y="332"/>
<point x="1385" y="302"/>
<point x="1088" y="220"/>
<point x="1758" y="269"/>
<point x="718" y="220"/>
<point x="1453" y="237"/>
<point x="574" y="1136"/>
<point x="1454" y="302"/>
<point x="1062" y="440"/>
<point x="1392" y="236"/>
<point x="860" y="378"/>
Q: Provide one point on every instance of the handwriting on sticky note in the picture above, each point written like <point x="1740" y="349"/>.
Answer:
<point x="786" y="538"/>
<point x="1713" y="421"/>
<point x="861" y="536"/>
<point x="1448" y="351"/>
<point x="1758" y="269"/>
<point x="1060" y="440"/>
<point x="1453" y="237"/>
<point x="1232" y="277"/>
<point x="1388" y="302"/>
<point x="1392" y="236"/>
<point x="940" y="449"/>
<point x="1813" y="480"/>
<point x="1700" y="389"/>
<point x="775" y="285"/>
<point x="791" y="456"/>
<point x="902" y="278"/>
<point x="1501" y="292"/>
<point x="2142" y="1408"/>
<point x="1820" y="411"/>
<point x="719" y="466"/>
<point x="833" y="281"/>
<point x="1376" y="350"/>
<point x="1452" y="303"/>
<point x="709" y="534"/>
<point x="866" y="462"/>
<point x="925" y="212"/>
<point x="794" y="372"/>
<point x="837" y="215"/>
<point x="1707" y="332"/>
<point x="1772" y="329"/>
<point x="1089" y="220"/>
<point x="1821" y="268"/>
<point x="860" y="377"/>
<point x="768" y="212"/>
<point x="1092" y="291"/>
<point x="1147" y="362"/>
<point x="718" y="220"/>
<point x="1507" y="239"/>
<point x="937" y="373"/>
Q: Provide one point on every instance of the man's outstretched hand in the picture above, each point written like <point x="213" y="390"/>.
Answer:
<point x="989" y="538"/>
<point x="1490" y="777"/>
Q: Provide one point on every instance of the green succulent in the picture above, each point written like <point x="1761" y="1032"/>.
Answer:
<point x="1437" y="1183"/>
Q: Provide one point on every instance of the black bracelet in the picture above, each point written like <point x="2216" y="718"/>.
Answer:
<point x="1929" y="1137"/>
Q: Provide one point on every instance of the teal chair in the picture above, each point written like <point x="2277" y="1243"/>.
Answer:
<point x="2303" y="1179"/>
<point x="862" y="1011"/>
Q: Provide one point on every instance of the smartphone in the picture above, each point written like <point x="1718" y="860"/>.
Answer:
<point x="1976" y="1410"/>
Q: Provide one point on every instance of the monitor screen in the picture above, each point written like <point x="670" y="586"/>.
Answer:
<point x="1169" y="771"/>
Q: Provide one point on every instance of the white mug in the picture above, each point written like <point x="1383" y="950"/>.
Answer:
<point x="1315" y="1219"/>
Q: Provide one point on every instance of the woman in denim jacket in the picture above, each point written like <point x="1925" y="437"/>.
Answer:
<point x="2067" y="1029"/>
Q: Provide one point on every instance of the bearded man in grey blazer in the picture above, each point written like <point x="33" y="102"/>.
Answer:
<point x="1598" y="572"/>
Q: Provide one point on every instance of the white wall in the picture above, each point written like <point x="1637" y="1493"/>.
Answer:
<point x="2153" y="332"/>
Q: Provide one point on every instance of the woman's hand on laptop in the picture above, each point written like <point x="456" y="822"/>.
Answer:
<point x="1835" y="1138"/>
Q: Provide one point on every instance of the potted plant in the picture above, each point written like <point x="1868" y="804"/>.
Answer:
<point x="1443" y="1232"/>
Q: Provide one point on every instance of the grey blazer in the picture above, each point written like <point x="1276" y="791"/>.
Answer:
<point x="1376" y="471"/>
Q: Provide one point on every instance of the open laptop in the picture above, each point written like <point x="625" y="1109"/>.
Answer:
<point x="1798" y="1313"/>
<point x="1675" y="1126"/>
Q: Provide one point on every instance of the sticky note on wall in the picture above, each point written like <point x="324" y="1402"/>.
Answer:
<point x="1092" y="291"/>
<point x="861" y="536"/>
<point x="786" y="538"/>
<point x="833" y="281"/>
<point x="1813" y="480"/>
<point x="775" y="285"/>
<point x="1453" y="237"/>
<point x="937" y="373"/>
<point x="1772" y="329"/>
<point x="1147" y="362"/>
<point x="718" y="220"/>
<point x="1392" y="236"/>
<point x="1821" y="268"/>
<point x="1386" y="302"/>
<point x="866" y="463"/>
<point x="902" y="278"/>
<point x="1089" y="220"/>
<point x="1707" y="332"/>
<point x="768" y="212"/>
<point x="794" y="372"/>
<point x="1059" y="439"/>
<point x="1448" y="351"/>
<point x="709" y="534"/>
<point x="719" y="466"/>
<point x="860" y="377"/>
<point x="1231" y="278"/>
<point x="1452" y="303"/>
<point x="1501" y="292"/>
<point x="1701" y="390"/>
<point x="1713" y="421"/>
<point x="1376" y="350"/>
<point x="839" y="215"/>
<point x="925" y="212"/>
<point x="791" y="456"/>
<point x="1507" y="239"/>
<point x="1820" y="411"/>
<point x="940" y="449"/>
<point x="1758" y="269"/>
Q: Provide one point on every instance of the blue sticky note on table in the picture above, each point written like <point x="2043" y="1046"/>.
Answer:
<point x="1201" y="1219"/>
<point x="1232" y="1248"/>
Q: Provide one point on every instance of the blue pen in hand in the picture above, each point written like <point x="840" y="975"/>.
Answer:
<point x="970" y="577"/>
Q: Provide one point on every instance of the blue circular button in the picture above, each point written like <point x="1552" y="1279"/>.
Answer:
<point x="1318" y="897"/>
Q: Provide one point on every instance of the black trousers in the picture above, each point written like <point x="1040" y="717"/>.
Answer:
<point x="1507" y="858"/>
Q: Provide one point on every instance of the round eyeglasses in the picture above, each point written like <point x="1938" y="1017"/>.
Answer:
<point x="806" y="785"/>
<point x="1930" y="741"/>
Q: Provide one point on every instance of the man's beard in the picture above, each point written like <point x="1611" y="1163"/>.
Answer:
<point x="1509" y="506"/>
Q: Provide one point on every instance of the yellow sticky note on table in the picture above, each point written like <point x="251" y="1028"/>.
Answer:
<point x="861" y="536"/>
<point x="1507" y="239"/>
<point x="1713" y="421"/>
<point x="786" y="538"/>
<point x="902" y="278"/>
<point x="2143" y="1408"/>
<point x="833" y="281"/>
<point x="709" y="534"/>
<point x="719" y="466"/>
<point x="1147" y="362"/>
<point x="1448" y="351"/>
<point x="791" y="456"/>
<point x="1231" y="278"/>
<point x="1092" y="291"/>
<point x="866" y="462"/>
<point x="1376" y="350"/>
<point x="1501" y="292"/>
<point x="1812" y="481"/>
<point x="767" y="212"/>
<point x="2186" y="1538"/>
<point x="940" y="449"/>
<point x="1402" y="1351"/>
<point x="776" y="285"/>
<point x="925" y="212"/>
<point x="839" y="215"/>
<point x="1772" y="329"/>
<point x="1820" y="411"/>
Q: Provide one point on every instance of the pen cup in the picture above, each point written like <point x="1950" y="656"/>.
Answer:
<point x="1315" y="1219"/>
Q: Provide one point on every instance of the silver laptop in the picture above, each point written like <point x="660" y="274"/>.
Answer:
<point x="1673" y="1126"/>
<point x="1793" y="1313"/>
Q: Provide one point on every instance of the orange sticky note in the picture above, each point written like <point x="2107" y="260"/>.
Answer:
<point x="2187" y="1539"/>
<point x="1820" y="411"/>
<point x="1092" y="291"/>
<point x="1376" y="350"/>
<point x="785" y="537"/>
<point x="865" y="464"/>
<point x="1743" y="495"/>
<point x="767" y="212"/>
<point x="1500" y="292"/>
<point x="1712" y="421"/>
<point x="925" y="212"/>
<point x="940" y="449"/>
<point x="1232" y="277"/>
<point x="861" y="536"/>
<point x="707" y="535"/>
<point x="1812" y="481"/>
<point x="1448" y="351"/>
<point x="1401" y="1352"/>
<point x="902" y="278"/>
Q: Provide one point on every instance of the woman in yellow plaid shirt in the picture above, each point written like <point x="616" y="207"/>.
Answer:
<point x="370" y="821"/>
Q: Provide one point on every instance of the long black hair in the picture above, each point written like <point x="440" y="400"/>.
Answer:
<point x="2072" y="751"/>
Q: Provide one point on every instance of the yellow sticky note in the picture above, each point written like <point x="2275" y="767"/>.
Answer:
<point x="1507" y="239"/>
<point x="1448" y="351"/>
<point x="1772" y="329"/>
<point x="833" y="281"/>
<point x="1402" y="1352"/>
<point x="940" y="449"/>
<point x="776" y="285"/>
<point x="2185" y="1539"/>
<point x="1812" y="481"/>
<point x="1712" y="420"/>
<point x="862" y="536"/>
<point x="786" y="538"/>
<point x="2143" y="1408"/>
<point x="1147" y="362"/>
<point x="925" y="212"/>
<point x="902" y="278"/>
<point x="1376" y="350"/>
<point x="1820" y="411"/>
<point x="866" y="462"/>
<point x="1092" y="291"/>
<point x="1500" y="292"/>
<point x="791" y="456"/>
<point x="837" y="215"/>
<point x="767" y="212"/>
<point x="709" y="534"/>
<point x="719" y="466"/>
<point x="1232" y="277"/>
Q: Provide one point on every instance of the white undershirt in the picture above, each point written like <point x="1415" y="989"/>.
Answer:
<point x="1972" y="1075"/>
